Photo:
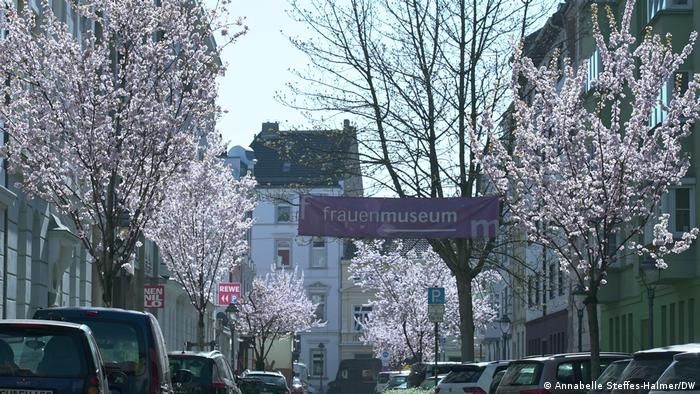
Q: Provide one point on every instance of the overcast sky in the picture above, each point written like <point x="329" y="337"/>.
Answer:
<point x="258" y="66"/>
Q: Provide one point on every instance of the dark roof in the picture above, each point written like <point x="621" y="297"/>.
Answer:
<point x="538" y="44"/>
<point x="301" y="157"/>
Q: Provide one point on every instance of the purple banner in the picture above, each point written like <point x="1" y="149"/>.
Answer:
<point x="358" y="217"/>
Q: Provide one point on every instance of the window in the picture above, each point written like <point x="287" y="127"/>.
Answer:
<point x="664" y="320"/>
<point x="691" y="320"/>
<point x="286" y="166"/>
<point x="561" y="282"/>
<point x="284" y="214"/>
<point x="360" y="314"/>
<point x="672" y="322"/>
<point x="283" y="253"/>
<point x="537" y="291"/>
<point x="594" y="67"/>
<point x="552" y="275"/>
<point x="3" y="32"/>
<point x="320" y="300"/>
<point x="318" y="253"/>
<point x="654" y="6"/>
<point x="530" y="301"/>
<point x="681" y="321"/>
<point x="318" y="361"/>
<point x="679" y="83"/>
<point x="679" y="202"/>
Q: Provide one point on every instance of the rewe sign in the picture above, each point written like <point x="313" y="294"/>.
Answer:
<point x="154" y="296"/>
<point x="359" y="217"/>
<point x="229" y="293"/>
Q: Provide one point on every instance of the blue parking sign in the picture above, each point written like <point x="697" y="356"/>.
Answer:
<point x="436" y="295"/>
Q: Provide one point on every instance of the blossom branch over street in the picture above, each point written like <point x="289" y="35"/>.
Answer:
<point x="584" y="171"/>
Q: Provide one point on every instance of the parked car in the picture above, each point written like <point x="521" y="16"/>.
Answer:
<point x="263" y="382"/>
<point x="397" y="381"/>
<point x="496" y="381"/>
<point x="647" y="366"/>
<point x="39" y="356"/>
<point x="201" y="373"/>
<point x="472" y="378"/>
<point x="420" y="371"/>
<point x="682" y="376"/>
<point x="383" y="379"/>
<point x="131" y="344"/>
<point x="355" y="376"/>
<point x="429" y="383"/>
<point x="530" y="374"/>
<point x="610" y="375"/>
<point x="301" y="371"/>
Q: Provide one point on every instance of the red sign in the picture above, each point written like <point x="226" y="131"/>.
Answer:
<point x="154" y="296"/>
<point x="229" y="293"/>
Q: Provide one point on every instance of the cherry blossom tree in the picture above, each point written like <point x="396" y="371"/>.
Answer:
<point x="201" y="227"/>
<point x="276" y="306"/>
<point x="99" y="120"/>
<point x="583" y="172"/>
<point x="398" y="276"/>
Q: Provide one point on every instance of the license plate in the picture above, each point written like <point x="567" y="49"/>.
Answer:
<point x="25" y="391"/>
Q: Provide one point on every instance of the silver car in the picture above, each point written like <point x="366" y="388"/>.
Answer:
<point x="681" y="377"/>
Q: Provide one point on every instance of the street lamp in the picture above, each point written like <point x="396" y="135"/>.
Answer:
<point x="503" y="324"/>
<point x="232" y="314"/>
<point x="649" y="266"/>
<point x="321" y="346"/>
<point x="579" y="294"/>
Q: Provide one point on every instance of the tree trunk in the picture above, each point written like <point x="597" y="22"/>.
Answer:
<point x="200" y="330"/>
<point x="594" y="335"/>
<point x="107" y="286"/>
<point x="466" y="317"/>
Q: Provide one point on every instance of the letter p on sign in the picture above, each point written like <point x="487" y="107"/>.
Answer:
<point x="436" y="295"/>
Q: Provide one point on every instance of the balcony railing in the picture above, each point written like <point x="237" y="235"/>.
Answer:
<point x="352" y="337"/>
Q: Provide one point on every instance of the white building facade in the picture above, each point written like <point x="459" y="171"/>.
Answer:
<point x="275" y="244"/>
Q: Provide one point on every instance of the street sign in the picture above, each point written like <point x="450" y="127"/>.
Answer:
<point x="436" y="312"/>
<point x="229" y="293"/>
<point x="433" y="218"/>
<point x="385" y="354"/>
<point x="154" y="296"/>
<point x="436" y="295"/>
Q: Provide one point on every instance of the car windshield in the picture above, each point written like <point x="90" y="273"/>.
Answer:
<point x="684" y="370"/>
<point x="522" y="374"/>
<point x="612" y="373"/>
<point x="199" y="367"/>
<point x="397" y="380"/>
<point x="268" y="379"/>
<point x="42" y="352"/>
<point x="120" y="345"/>
<point x="647" y="368"/>
<point x="465" y="374"/>
<point x="383" y="377"/>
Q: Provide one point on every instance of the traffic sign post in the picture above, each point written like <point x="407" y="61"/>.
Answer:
<point x="436" y="312"/>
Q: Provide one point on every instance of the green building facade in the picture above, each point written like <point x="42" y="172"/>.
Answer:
<point x="642" y="307"/>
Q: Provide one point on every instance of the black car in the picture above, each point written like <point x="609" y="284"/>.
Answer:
<point x="356" y="376"/>
<point x="263" y="382"/>
<point x="131" y="343"/>
<point x="202" y="373"/>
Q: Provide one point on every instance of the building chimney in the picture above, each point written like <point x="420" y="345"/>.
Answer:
<point x="346" y="124"/>
<point x="270" y="127"/>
